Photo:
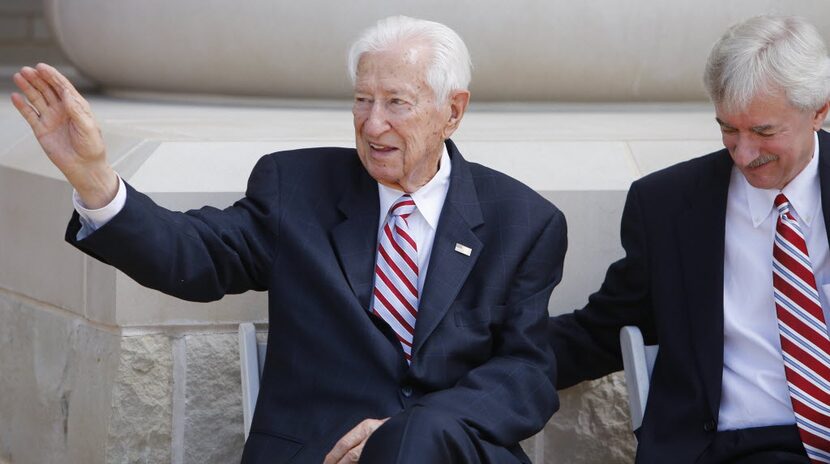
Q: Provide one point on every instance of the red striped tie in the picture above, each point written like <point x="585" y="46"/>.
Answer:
<point x="396" y="274"/>
<point x="804" y="342"/>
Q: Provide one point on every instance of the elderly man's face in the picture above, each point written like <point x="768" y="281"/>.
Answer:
<point x="771" y="141"/>
<point x="399" y="127"/>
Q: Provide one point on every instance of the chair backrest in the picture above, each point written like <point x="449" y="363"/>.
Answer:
<point x="251" y="363"/>
<point x="638" y="362"/>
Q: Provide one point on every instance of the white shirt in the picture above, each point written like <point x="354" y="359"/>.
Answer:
<point x="94" y="219"/>
<point x="754" y="386"/>
<point x="429" y="201"/>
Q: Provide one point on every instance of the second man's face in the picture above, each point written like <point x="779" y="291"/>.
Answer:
<point x="770" y="141"/>
<point x="399" y="126"/>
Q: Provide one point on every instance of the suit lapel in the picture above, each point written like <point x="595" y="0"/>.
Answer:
<point x="355" y="239"/>
<point x="448" y="269"/>
<point x="824" y="175"/>
<point x="700" y="234"/>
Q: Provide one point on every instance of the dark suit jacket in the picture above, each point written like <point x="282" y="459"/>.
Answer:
<point x="306" y="231"/>
<point x="670" y="284"/>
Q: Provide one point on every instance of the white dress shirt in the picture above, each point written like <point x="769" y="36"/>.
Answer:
<point x="429" y="201"/>
<point x="94" y="219"/>
<point x="755" y="389"/>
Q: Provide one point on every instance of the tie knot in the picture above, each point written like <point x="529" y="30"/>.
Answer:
<point x="782" y="204"/>
<point x="403" y="207"/>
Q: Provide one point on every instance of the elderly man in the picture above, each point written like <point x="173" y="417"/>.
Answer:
<point x="727" y="267"/>
<point x="408" y="288"/>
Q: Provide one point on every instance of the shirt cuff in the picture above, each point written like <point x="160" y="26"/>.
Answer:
<point x="94" y="219"/>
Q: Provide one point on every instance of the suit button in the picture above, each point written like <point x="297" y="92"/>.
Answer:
<point x="406" y="391"/>
<point x="709" y="426"/>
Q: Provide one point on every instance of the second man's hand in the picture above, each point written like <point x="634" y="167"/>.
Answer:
<point x="62" y="121"/>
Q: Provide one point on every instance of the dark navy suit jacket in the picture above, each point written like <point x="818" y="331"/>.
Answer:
<point x="670" y="284"/>
<point x="306" y="232"/>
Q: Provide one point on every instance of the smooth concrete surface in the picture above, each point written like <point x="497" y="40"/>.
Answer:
<point x="34" y="261"/>
<point x="532" y="50"/>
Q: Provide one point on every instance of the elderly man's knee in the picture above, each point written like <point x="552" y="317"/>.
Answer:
<point x="427" y="431"/>
<point x="425" y="422"/>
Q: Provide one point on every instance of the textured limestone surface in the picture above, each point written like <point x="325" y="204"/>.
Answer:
<point x="55" y="384"/>
<point x="141" y="418"/>
<point x="213" y="412"/>
<point x="592" y="425"/>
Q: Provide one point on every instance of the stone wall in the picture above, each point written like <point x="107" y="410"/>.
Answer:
<point x="74" y="392"/>
<point x="56" y="383"/>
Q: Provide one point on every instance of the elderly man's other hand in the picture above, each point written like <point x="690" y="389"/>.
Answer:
<point x="63" y="124"/>
<point x="350" y="447"/>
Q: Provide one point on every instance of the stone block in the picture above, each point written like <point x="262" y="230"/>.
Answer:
<point x="653" y="155"/>
<point x="138" y="306"/>
<point x="574" y="122"/>
<point x="141" y="416"/>
<point x="213" y="395"/>
<point x="592" y="425"/>
<point x="95" y="355"/>
<point x="56" y="378"/>
<point x="35" y="259"/>
<point x="552" y="165"/>
<point x="593" y="243"/>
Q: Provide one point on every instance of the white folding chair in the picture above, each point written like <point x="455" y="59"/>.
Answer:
<point x="638" y="362"/>
<point x="251" y="362"/>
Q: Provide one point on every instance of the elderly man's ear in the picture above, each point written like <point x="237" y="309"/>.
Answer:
<point x="459" y="100"/>
<point x="820" y="116"/>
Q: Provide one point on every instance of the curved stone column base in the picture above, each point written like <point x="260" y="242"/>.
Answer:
<point x="533" y="50"/>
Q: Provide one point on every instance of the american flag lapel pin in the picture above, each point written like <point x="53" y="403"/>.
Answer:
<point x="463" y="249"/>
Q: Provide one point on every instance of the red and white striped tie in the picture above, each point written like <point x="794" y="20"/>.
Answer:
<point x="396" y="274"/>
<point x="801" y="325"/>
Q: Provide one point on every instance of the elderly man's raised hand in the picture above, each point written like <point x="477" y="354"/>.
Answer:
<point x="63" y="124"/>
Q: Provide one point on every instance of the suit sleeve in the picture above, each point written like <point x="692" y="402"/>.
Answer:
<point x="512" y="395"/>
<point x="200" y="255"/>
<point x="586" y="342"/>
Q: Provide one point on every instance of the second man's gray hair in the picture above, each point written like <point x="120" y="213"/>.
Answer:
<point x="450" y="68"/>
<point x="768" y="54"/>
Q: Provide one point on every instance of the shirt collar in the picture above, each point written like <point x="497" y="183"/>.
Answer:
<point x="803" y="192"/>
<point x="429" y="199"/>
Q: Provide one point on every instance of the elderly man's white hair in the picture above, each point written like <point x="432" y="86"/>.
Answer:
<point x="450" y="67"/>
<point x="767" y="54"/>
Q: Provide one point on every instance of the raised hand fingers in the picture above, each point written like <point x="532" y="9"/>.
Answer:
<point x="55" y="78"/>
<point x="33" y="95"/>
<point x="26" y="110"/>
<point x="37" y="80"/>
<point x="75" y="103"/>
